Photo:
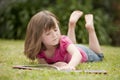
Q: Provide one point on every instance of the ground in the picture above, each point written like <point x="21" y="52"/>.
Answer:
<point x="11" y="53"/>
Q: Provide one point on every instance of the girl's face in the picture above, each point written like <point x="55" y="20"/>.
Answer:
<point x="51" y="37"/>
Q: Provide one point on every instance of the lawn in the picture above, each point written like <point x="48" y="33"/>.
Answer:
<point x="11" y="53"/>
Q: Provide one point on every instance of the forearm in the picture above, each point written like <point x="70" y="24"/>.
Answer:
<point x="75" y="60"/>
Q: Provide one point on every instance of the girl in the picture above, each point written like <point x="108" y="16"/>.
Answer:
<point x="45" y="43"/>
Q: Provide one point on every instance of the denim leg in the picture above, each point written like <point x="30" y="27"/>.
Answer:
<point x="92" y="56"/>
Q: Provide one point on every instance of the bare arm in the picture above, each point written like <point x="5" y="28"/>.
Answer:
<point x="75" y="59"/>
<point x="76" y="56"/>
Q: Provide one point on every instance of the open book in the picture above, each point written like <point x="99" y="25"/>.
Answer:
<point x="35" y="67"/>
<point x="41" y="66"/>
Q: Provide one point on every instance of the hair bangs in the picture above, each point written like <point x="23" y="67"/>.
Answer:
<point x="50" y="24"/>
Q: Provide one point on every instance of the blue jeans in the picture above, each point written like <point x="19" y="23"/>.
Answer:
<point x="92" y="56"/>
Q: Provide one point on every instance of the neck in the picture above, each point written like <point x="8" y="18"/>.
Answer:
<point x="51" y="47"/>
<point x="50" y="51"/>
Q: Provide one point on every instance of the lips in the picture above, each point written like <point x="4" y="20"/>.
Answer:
<point x="54" y="39"/>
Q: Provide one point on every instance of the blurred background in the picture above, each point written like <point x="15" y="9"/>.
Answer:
<point x="15" y="15"/>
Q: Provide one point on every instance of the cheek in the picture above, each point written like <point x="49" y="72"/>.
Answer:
<point x="59" y="33"/>
<point x="46" y="40"/>
<point x="43" y="39"/>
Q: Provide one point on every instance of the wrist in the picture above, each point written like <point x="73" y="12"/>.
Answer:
<point x="72" y="66"/>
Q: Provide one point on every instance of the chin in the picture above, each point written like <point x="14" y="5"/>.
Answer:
<point x="56" y="44"/>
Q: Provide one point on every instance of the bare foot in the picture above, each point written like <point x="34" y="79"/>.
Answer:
<point x="89" y="22"/>
<point x="74" y="17"/>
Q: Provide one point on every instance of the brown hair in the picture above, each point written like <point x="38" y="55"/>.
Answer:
<point x="41" y="21"/>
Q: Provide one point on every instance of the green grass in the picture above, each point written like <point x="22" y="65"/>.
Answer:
<point x="11" y="53"/>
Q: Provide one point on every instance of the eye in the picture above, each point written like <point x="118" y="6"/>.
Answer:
<point x="55" y="29"/>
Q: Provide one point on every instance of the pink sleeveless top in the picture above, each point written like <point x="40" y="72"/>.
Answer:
<point x="61" y="54"/>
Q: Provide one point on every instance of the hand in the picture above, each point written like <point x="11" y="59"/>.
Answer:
<point x="59" y="64"/>
<point x="67" y="67"/>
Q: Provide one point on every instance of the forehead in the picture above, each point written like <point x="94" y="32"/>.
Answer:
<point x="51" y="23"/>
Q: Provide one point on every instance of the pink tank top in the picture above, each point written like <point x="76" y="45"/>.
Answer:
<point x="61" y="54"/>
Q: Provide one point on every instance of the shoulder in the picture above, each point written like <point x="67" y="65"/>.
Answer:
<point x="65" y="41"/>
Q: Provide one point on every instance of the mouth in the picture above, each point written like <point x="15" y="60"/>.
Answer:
<point x="54" y="39"/>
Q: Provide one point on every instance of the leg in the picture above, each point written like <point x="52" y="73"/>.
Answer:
<point x="93" y="41"/>
<point x="72" y="23"/>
